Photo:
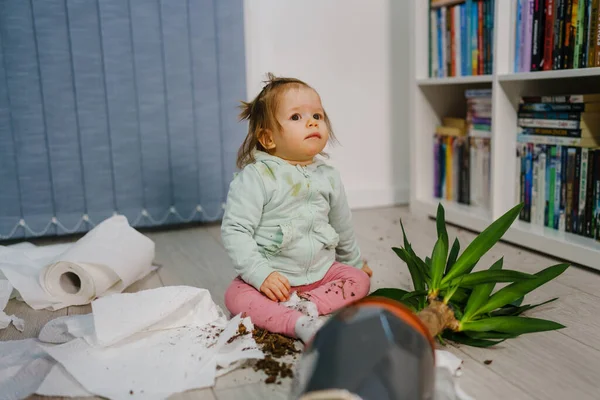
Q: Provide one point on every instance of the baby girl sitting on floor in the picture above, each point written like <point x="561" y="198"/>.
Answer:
<point x="287" y="225"/>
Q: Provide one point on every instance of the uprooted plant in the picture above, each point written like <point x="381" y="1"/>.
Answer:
<point x="456" y="303"/>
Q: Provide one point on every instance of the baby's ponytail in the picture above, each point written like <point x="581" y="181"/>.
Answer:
<point x="251" y="142"/>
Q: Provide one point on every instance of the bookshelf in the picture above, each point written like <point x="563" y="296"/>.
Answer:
<point x="453" y="80"/>
<point x="433" y="98"/>
<point x="559" y="74"/>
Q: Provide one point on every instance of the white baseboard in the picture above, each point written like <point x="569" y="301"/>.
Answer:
<point x="378" y="197"/>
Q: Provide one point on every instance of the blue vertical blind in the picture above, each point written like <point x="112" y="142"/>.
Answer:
<point x="117" y="106"/>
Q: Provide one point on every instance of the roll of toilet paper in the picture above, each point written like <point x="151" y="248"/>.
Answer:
<point x="106" y="260"/>
<point x="77" y="283"/>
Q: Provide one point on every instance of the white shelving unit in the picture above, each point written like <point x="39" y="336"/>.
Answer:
<point x="435" y="98"/>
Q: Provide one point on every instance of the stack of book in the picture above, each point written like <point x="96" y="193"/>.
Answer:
<point x="558" y="162"/>
<point x="461" y="37"/>
<point x="451" y="161"/>
<point x="479" y="112"/>
<point x="556" y="34"/>
<point x="462" y="153"/>
<point x="479" y="118"/>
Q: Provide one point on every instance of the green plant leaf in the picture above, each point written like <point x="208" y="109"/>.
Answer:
<point x="397" y="295"/>
<point x="529" y="307"/>
<point x="390" y="293"/>
<point x="513" y="325"/>
<point x="418" y="263"/>
<point x="461" y="296"/>
<point x="480" y="294"/>
<point x="518" y="302"/>
<point x="440" y="222"/>
<point x="439" y="338"/>
<point x="453" y="255"/>
<point x="464" y="339"/>
<point x="438" y="262"/>
<point x="428" y="261"/>
<point x="424" y="268"/>
<point x="415" y="293"/>
<point x="406" y="243"/>
<point x="470" y="268"/>
<point x="482" y="243"/>
<point x="415" y="272"/>
<point x="490" y="335"/>
<point x="448" y="295"/>
<point x="509" y="310"/>
<point x="457" y="309"/>
<point x="517" y="290"/>
<point x="481" y="277"/>
<point x="413" y="304"/>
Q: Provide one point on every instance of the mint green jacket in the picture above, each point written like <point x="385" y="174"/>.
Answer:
<point x="291" y="219"/>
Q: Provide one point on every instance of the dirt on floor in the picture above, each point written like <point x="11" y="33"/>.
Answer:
<point x="274" y="346"/>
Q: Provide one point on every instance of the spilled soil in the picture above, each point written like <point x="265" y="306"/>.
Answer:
<point x="274" y="346"/>
<point x="274" y="369"/>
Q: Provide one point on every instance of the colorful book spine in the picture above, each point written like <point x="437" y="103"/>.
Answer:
<point x="518" y="36"/>
<point x="556" y="34"/>
<point x="536" y="35"/>
<point x="559" y="19"/>
<point x="461" y="38"/>
<point x="474" y="37"/>
<point x="593" y="34"/>
<point x="528" y="36"/>
<point x="548" y="37"/>
<point x="558" y="174"/>
<point x="597" y="44"/>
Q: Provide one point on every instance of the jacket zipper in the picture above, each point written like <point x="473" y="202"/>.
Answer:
<point x="312" y="221"/>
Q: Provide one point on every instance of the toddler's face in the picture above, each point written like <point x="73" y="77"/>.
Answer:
<point x="304" y="133"/>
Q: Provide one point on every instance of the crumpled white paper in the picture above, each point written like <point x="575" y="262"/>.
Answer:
<point x="304" y="306"/>
<point x="6" y="291"/>
<point x="150" y="344"/>
<point x="23" y="367"/>
<point x="447" y="367"/>
<point x="106" y="260"/>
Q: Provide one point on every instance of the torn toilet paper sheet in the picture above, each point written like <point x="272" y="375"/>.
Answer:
<point x="23" y="367"/>
<point x="446" y="384"/>
<point x="26" y="369"/>
<point x="150" y="344"/>
<point x="154" y="365"/>
<point x="6" y="290"/>
<point x="304" y="306"/>
<point x="445" y="359"/>
<point x="106" y="260"/>
<point x="119" y="316"/>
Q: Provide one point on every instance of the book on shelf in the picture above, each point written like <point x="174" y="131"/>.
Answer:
<point x="460" y="37"/>
<point x="461" y="149"/>
<point x="556" y="34"/>
<point x="558" y="169"/>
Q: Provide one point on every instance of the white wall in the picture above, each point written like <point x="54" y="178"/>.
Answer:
<point x="354" y="53"/>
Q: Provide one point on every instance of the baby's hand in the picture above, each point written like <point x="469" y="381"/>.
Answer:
<point x="276" y="287"/>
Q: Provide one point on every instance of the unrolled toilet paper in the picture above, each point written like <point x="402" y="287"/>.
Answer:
<point x="106" y="260"/>
<point x="145" y="345"/>
<point x="6" y="290"/>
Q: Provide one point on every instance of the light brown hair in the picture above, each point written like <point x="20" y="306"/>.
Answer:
<point x="261" y="112"/>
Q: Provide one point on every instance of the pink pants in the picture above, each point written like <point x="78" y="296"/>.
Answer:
<point x="327" y="294"/>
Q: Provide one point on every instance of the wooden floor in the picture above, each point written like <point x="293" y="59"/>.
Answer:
<point x="554" y="365"/>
